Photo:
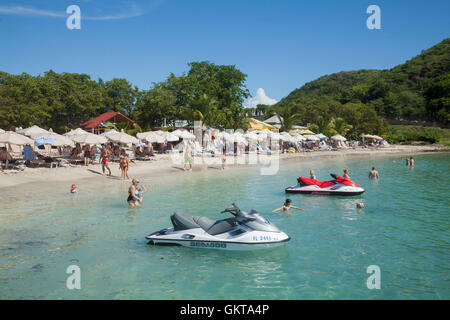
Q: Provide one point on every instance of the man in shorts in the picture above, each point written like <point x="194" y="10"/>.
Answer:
<point x="104" y="159"/>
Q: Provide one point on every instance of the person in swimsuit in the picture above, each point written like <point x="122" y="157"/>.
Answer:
<point x="411" y="162"/>
<point x="87" y="154"/>
<point x="140" y="193"/>
<point x="104" y="159"/>
<point x="373" y="174"/>
<point x="224" y="158"/>
<point x="124" y="164"/>
<point x="407" y="162"/>
<point x="346" y="175"/>
<point x="312" y="175"/>
<point x="188" y="158"/>
<point x="287" y="206"/>
<point x="73" y="188"/>
<point x="133" y="200"/>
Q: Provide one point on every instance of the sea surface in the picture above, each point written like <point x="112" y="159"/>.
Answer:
<point x="404" y="230"/>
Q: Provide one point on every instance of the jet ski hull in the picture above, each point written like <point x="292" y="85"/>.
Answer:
<point x="337" y="191"/>
<point x="198" y="238"/>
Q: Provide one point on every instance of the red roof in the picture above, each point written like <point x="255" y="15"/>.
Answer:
<point x="94" y="123"/>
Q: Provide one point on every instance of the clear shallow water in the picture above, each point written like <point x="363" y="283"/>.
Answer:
<point x="404" y="229"/>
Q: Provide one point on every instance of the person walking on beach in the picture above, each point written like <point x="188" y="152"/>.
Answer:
<point x="188" y="158"/>
<point x="224" y="158"/>
<point x="87" y="154"/>
<point x="124" y="164"/>
<point x="133" y="198"/>
<point x="373" y="174"/>
<point x="287" y="206"/>
<point x="346" y="175"/>
<point x="104" y="159"/>
<point x="312" y="175"/>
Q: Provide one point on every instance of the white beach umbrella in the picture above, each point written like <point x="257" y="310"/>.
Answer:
<point x="32" y="131"/>
<point x="311" y="137"/>
<point x="11" y="137"/>
<point x="153" y="137"/>
<point x="75" y="132"/>
<point x="89" y="138"/>
<point x="59" y="140"/>
<point x="170" y="137"/>
<point x="338" y="137"/>
<point x="251" y="136"/>
<point x="122" y="137"/>
<point x="2" y="131"/>
<point x="186" y="135"/>
<point x="109" y="132"/>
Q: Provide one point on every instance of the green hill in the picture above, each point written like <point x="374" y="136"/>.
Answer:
<point x="419" y="89"/>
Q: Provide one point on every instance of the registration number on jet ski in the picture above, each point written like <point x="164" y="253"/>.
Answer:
<point x="263" y="238"/>
<point x="207" y="244"/>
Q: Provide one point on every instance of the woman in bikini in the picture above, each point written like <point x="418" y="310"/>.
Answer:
<point x="287" y="206"/>
<point x="124" y="164"/>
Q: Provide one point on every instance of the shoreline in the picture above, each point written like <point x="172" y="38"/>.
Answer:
<point x="162" y="165"/>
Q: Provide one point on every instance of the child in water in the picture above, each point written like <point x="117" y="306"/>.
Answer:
<point x="140" y="192"/>
<point x="287" y="206"/>
<point x="73" y="188"/>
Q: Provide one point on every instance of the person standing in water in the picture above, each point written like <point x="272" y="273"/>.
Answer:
<point x="411" y="162"/>
<point x="373" y="173"/>
<point x="407" y="162"/>
<point x="287" y="206"/>
<point x="133" y="198"/>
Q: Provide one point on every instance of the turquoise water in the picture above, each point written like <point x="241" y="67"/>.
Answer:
<point x="404" y="230"/>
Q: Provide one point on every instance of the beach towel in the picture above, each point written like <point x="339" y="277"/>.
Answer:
<point x="28" y="153"/>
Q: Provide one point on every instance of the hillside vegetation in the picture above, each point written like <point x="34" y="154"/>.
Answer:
<point x="419" y="89"/>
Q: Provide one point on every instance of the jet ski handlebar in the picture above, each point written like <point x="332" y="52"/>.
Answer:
<point x="233" y="209"/>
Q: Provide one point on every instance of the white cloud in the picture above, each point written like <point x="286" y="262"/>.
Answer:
<point x="134" y="11"/>
<point x="260" y="98"/>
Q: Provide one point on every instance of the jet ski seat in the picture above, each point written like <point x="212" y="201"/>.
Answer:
<point x="184" y="221"/>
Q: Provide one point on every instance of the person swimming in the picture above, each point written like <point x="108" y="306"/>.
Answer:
<point x="73" y="188"/>
<point x="287" y="206"/>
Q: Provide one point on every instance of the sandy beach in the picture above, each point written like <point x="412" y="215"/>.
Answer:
<point x="162" y="165"/>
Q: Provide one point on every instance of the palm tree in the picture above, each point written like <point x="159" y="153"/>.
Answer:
<point x="288" y="116"/>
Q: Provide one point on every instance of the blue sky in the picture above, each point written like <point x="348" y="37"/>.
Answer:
<point x="279" y="44"/>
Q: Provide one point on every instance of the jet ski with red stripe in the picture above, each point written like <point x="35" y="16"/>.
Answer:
<point x="339" y="186"/>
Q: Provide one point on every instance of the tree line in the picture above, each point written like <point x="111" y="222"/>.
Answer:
<point x="62" y="101"/>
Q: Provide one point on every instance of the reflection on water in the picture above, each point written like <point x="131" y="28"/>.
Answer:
<point x="403" y="229"/>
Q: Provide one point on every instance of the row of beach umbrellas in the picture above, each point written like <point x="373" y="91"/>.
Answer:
<point x="37" y="135"/>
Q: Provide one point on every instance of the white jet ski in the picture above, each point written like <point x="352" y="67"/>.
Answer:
<point x="244" y="231"/>
<point x="339" y="186"/>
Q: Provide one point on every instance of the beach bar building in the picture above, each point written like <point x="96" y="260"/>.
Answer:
<point x="100" y="123"/>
